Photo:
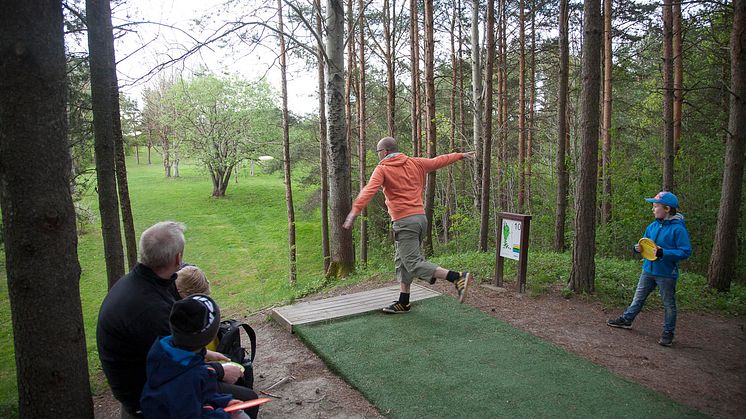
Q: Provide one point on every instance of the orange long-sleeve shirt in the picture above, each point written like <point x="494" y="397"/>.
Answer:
<point x="403" y="181"/>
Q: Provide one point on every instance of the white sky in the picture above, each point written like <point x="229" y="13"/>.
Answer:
<point x="138" y="53"/>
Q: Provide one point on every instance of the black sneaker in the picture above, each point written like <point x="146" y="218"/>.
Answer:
<point x="397" y="307"/>
<point x="666" y="339"/>
<point x="620" y="322"/>
<point x="462" y="285"/>
<point x="430" y="281"/>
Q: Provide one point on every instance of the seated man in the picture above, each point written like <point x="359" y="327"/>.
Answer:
<point x="135" y="313"/>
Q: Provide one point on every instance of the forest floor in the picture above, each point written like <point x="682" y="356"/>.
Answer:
<point x="705" y="368"/>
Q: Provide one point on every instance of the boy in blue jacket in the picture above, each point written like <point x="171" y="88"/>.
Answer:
<point x="669" y="233"/>
<point x="179" y="382"/>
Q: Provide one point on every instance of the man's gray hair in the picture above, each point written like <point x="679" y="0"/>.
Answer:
<point x="160" y="243"/>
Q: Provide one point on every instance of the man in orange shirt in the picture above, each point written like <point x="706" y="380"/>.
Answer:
<point x="403" y="182"/>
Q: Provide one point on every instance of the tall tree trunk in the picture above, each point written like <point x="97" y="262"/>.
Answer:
<point x="38" y="216"/>
<point x="668" y="155"/>
<point x="461" y="117"/>
<point x="449" y="198"/>
<point x="489" y="67"/>
<point x="582" y="276"/>
<point x="414" y="30"/>
<point x="521" y="109"/>
<point x="324" y="175"/>
<point x="678" y="76"/>
<point x="121" y="170"/>
<point x="101" y="47"/>
<point x="388" y="30"/>
<point x="504" y="106"/>
<point x="343" y="261"/>
<point x="286" y="149"/>
<point x="476" y="84"/>
<point x="606" y="126"/>
<point x="362" y="175"/>
<point x="531" y="100"/>
<point x="725" y="251"/>
<point x="500" y="163"/>
<point x="562" y="132"/>
<point x="427" y="244"/>
<point x="350" y="84"/>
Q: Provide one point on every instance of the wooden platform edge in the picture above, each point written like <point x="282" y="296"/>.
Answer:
<point x="282" y="321"/>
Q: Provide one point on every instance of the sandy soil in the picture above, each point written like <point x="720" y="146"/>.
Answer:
<point x="705" y="368"/>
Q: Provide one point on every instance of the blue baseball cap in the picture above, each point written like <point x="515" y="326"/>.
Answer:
<point x="665" y="198"/>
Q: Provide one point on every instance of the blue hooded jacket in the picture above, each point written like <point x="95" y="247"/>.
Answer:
<point x="671" y="235"/>
<point x="180" y="385"/>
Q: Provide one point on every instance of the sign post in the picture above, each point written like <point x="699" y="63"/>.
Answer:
<point x="512" y="243"/>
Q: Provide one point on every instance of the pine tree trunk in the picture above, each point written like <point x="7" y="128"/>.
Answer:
<point x="606" y="125"/>
<point x="324" y="175"/>
<point x="121" y="171"/>
<point x="678" y="76"/>
<point x="531" y="100"/>
<point x="339" y="167"/>
<point x="668" y="155"/>
<point x="484" y="205"/>
<point x="562" y="132"/>
<point x="476" y="75"/>
<point x="430" y="128"/>
<point x="582" y="276"/>
<point x="362" y="175"/>
<point x="38" y="216"/>
<point x="521" y="109"/>
<point x="724" y="250"/>
<point x="101" y="47"/>
<point x="461" y="117"/>
<point x="414" y="31"/>
<point x="449" y="198"/>
<point x="292" y="274"/>
<point x="504" y="201"/>
<point x="388" y="29"/>
<point x="350" y="84"/>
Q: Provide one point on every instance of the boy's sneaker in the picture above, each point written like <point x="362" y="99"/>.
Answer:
<point x="462" y="285"/>
<point x="397" y="307"/>
<point x="620" y="322"/>
<point x="666" y="339"/>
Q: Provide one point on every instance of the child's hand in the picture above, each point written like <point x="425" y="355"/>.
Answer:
<point x="238" y="414"/>
<point x="211" y="356"/>
<point x="231" y="373"/>
<point x="637" y="248"/>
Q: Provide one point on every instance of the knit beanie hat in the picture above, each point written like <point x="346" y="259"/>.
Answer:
<point x="194" y="322"/>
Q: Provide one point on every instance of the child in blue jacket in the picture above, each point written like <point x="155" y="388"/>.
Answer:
<point x="179" y="382"/>
<point x="669" y="233"/>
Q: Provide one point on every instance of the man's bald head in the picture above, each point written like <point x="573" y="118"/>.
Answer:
<point x="389" y="144"/>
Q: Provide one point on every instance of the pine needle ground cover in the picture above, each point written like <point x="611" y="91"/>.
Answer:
<point x="448" y="360"/>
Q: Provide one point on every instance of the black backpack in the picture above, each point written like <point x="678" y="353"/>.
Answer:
<point x="229" y="344"/>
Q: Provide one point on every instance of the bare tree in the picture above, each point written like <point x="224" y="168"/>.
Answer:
<point x="489" y="67"/>
<point x="531" y="100"/>
<point x="678" y="75"/>
<point x="725" y="251"/>
<point x="103" y="67"/>
<point x="668" y="149"/>
<point x="476" y="85"/>
<point x="430" y="127"/>
<point x="606" y="122"/>
<point x="562" y="131"/>
<point x="286" y="147"/>
<point x="362" y="176"/>
<point x="582" y="276"/>
<point x="414" y="30"/>
<point x="324" y="175"/>
<point x="38" y="216"/>
<point x="342" y="262"/>
<point x="521" y="107"/>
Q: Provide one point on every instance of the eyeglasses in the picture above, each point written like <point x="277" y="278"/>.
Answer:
<point x="380" y="150"/>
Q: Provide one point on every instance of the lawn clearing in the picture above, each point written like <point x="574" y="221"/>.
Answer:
<point x="449" y="360"/>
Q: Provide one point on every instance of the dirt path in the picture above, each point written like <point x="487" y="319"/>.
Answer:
<point x="705" y="369"/>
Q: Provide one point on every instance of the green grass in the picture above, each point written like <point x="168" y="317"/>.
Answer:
<point x="451" y="360"/>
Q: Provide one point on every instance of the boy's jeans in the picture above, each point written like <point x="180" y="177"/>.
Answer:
<point x="667" y="289"/>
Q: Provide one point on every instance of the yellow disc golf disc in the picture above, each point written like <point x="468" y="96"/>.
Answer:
<point x="647" y="248"/>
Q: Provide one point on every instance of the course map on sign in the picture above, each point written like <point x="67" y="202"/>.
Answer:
<point x="510" y="240"/>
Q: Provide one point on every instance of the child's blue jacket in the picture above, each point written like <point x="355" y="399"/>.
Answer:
<point x="671" y="235"/>
<point x="180" y="385"/>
